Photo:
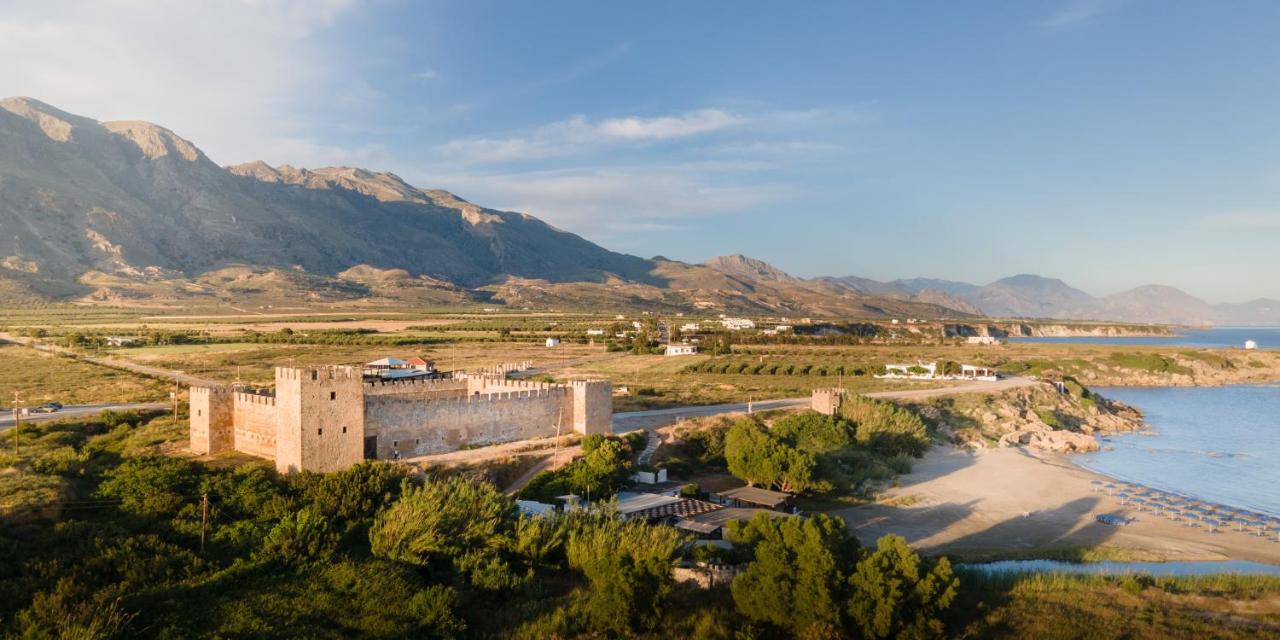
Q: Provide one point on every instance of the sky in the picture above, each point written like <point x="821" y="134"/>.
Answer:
<point x="1109" y="143"/>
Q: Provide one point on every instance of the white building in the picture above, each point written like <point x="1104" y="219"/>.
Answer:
<point x="553" y="342"/>
<point x="680" y="350"/>
<point x="986" y="340"/>
<point x="595" y="332"/>
<point x="690" y="327"/>
<point x="736" y="324"/>
<point x="1250" y="344"/>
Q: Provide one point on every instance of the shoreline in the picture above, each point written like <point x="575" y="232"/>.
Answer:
<point x="1011" y="503"/>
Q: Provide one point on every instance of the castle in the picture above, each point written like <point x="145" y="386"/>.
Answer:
<point x="329" y="418"/>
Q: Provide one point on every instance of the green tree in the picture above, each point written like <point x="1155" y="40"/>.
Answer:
<point x="152" y="486"/>
<point x="755" y="456"/>
<point x="442" y="518"/>
<point x="796" y="579"/>
<point x="896" y="594"/>
<point x="299" y="538"/>
<point x="814" y="432"/>
<point x="885" y="427"/>
<point x="629" y="566"/>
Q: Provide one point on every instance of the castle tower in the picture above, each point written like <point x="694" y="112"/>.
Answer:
<point x="321" y="418"/>
<point x="211" y="420"/>
<point x="827" y="401"/>
<point x="592" y="406"/>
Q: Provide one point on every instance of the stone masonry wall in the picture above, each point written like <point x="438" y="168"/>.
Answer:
<point x="413" y="428"/>
<point x="255" y="417"/>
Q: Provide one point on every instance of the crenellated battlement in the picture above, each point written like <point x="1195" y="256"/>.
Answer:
<point x="251" y="398"/>
<point x="386" y="387"/>
<point x="319" y="374"/>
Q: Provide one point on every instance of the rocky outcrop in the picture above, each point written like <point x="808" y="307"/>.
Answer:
<point x="1041" y="418"/>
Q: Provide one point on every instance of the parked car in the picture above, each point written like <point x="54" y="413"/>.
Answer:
<point x="48" y="407"/>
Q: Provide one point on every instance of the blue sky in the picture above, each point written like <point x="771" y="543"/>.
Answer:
<point x="1110" y="143"/>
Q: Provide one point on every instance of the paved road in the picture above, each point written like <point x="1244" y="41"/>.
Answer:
<point x="630" y="421"/>
<point x="181" y="377"/>
<point x="73" y="411"/>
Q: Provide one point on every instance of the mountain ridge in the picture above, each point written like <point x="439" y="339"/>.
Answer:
<point x="131" y="211"/>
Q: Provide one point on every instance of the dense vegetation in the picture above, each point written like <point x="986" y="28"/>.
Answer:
<point x="130" y="542"/>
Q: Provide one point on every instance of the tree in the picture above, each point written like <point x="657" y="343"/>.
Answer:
<point x="795" y="580"/>
<point x="814" y="432"/>
<point x="151" y="486"/>
<point x="442" y="518"/>
<point x="355" y="493"/>
<point x="758" y="458"/>
<point x="629" y="566"/>
<point x="896" y="594"/>
<point x="299" y="538"/>
<point x="886" y="428"/>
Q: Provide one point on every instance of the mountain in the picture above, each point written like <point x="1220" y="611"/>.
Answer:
<point x="112" y="211"/>
<point x="744" y="267"/>
<point x="1030" y="296"/>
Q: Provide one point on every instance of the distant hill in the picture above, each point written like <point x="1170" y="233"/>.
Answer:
<point x="1032" y="296"/>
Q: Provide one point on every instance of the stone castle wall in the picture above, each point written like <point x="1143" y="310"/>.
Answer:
<point x="255" y="418"/>
<point x="328" y="418"/>
<point x="409" y="427"/>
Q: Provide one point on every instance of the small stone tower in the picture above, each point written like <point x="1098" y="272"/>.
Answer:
<point x="592" y="406"/>
<point x="321" y="418"/>
<point x="827" y="401"/>
<point x="212" y="429"/>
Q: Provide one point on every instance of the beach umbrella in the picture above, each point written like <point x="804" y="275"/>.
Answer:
<point x="1212" y="524"/>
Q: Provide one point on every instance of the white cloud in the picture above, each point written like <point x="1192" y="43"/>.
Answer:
<point x="669" y="127"/>
<point x="1244" y="220"/>
<point x="427" y="74"/>
<point x="600" y="203"/>
<point x="222" y="73"/>
<point x="579" y="134"/>
<point x="1078" y="12"/>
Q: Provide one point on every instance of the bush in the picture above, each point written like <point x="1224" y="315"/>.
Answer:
<point x="886" y="428"/>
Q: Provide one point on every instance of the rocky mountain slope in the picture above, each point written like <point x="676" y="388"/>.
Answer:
<point x="110" y="211"/>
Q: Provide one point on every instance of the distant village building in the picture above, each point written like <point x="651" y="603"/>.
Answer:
<point x="123" y="341"/>
<point x="737" y="324"/>
<point x="553" y="342"/>
<point x="690" y="327"/>
<point x="982" y="340"/>
<point x="595" y="332"/>
<point x="681" y="350"/>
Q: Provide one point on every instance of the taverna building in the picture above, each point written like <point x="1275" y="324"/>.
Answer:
<point x="329" y="418"/>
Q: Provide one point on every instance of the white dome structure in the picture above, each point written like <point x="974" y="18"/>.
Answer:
<point x="1250" y="344"/>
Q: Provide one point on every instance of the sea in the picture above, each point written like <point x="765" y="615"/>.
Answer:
<point x="1218" y="444"/>
<point x="1217" y="337"/>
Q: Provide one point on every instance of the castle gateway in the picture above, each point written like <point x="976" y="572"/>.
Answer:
<point x="329" y="418"/>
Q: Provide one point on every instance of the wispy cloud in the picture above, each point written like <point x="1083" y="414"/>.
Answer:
<point x="1243" y="220"/>
<point x="580" y="134"/>
<point x="1079" y="12"/>
<point x="426" y="74"/>
<point x="603" y="202"/>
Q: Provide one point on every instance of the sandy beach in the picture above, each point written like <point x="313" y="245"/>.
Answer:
<point x="1009" y="501"/>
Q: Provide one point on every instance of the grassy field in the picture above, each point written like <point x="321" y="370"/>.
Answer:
<point x="43" y="377"/>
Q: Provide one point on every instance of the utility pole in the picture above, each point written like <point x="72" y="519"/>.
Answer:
<point x="204" y="517"/>
<point x="174" y="396"/>
<point x="17" y="420"/>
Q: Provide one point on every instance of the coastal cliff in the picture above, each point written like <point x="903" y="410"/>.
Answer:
<point x="1039" y="417"/>
<point x="1057" y="330"/>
